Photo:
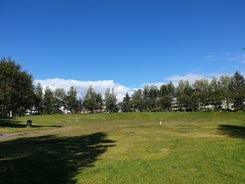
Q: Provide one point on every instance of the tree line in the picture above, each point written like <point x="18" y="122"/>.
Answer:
<point x="18" y="95"/>
<point x="226" y="93"/>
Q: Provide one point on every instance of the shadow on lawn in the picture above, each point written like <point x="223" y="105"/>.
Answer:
<point x="49" y="159"/>
<point x="17" y="124"/>
<point x="233" y="130"/>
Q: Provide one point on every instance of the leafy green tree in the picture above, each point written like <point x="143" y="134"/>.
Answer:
<point x="126" y="104"/>
<point x="16" y="89"/>
<point x="186" y="99"/>
<point x="167" y="90"/>
<point x="99" y="102"/>
<point x="165" y="103"/>
<point x="111" y="101"/>
<point x="170" y="89"/>
<point x="215" y="94"/>
<point x="90" y="101"/>
<point x="163" y="90"/>
<point x="59" y="99"/>
<point x="237" y="87"/>
<point x="138" y="100"/>
<point x="201" y="89"/>
<point x="38" y="104"/>
<point x="224" y="84"/>
<point x="150" y="95"/>
<point x="48" y="101"/>
<point x="72" y="102"/>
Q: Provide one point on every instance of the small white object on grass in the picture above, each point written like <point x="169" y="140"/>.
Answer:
<point x="160" y="122"/>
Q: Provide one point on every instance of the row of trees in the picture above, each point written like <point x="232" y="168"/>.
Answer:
<point x="17" y="95"/>
<point x="227" y="93"/>
<point x="58" y="101"/>
<point x="50" y="101"/>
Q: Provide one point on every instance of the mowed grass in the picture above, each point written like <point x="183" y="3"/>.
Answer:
<point x="207" y="147"/>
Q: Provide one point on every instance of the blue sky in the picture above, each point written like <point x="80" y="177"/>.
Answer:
<point x="128" y="43"/>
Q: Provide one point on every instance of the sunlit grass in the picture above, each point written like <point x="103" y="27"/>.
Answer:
<point x="186" y="148"/>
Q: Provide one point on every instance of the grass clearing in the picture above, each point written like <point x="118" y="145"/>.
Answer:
<point x="125" y="148"/>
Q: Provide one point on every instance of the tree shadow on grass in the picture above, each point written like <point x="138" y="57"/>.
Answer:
<point x="233" y="130"/>
<point x="12" y="123"/>
<point x="49" y="159"/>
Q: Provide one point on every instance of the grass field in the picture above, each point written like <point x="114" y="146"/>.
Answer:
<point x="207" y="147"/>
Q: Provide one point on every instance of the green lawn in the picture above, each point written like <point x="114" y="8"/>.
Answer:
<point x="207" y="147"/>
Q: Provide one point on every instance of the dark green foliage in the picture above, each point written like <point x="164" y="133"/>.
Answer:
<point x="38" y="99"/>
<point x="237" y="87"/>
<point x="126" y="105"/>
<point x="138" y="100"/>
<point x="59" y="99"/>
<point x="227" y="93"/>
<point x="16" y="89"/>
<point x="92" y="101"/>
<point x="111" y="101"/>
<point x="71" y="100"/>
<point x="48" y="101"/>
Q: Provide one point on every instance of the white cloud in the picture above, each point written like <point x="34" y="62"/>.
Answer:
<point x="191" y="77"/>
<point x="82" y="86"/>
<point x="157" y="84"/>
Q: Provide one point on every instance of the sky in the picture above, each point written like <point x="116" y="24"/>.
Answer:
<point x="123" y="44"/>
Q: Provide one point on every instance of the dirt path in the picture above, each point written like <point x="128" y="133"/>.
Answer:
<point x="24" y="134"/>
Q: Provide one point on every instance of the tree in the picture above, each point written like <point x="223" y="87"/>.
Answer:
<point x="165" y="103"/>
<point x="91" y="99"/>
<point x="38" y="104"/>
<point x="126" y="104"/>
<point x="59" y="99"/>
<point x="186" y="99"/>
<point x="48" y="101"/>
<point x="215" y="94"/>
<point x="237" y="87"/>
<point x="166" y="96"/>
<point x="224" y="83"/>
<point x="71" y="100"/>
<point x="99" y="102"/>
<point x="150" y="96"/>
<point x="138" y="101"/>
<point x="16" y="89"/>
<point x="201" y="89"/>
<point x="111" y="101"/>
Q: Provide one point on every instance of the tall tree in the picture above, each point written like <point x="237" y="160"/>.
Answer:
<point x="201" y="89"/>
<point x="16" y="89"/>
<point x="48" y="101"/>
<point x="224" y="83"/>
<point x="166" y="95"/>
<point x="126" y="104"/>
<point x="150" y="95"/>
<point x="59" y="99"/>
<point x="237" y="87"/>
<point x="90" y="100"/>
<point x="111" y="101"/>
<point x="72" y="102"/>
<point x="215" y="94"/>
<point x="138" y="100"/>
<point x="99" y="102"/>
<point x="38" y="98"/>
<point x="186" y="99"/>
